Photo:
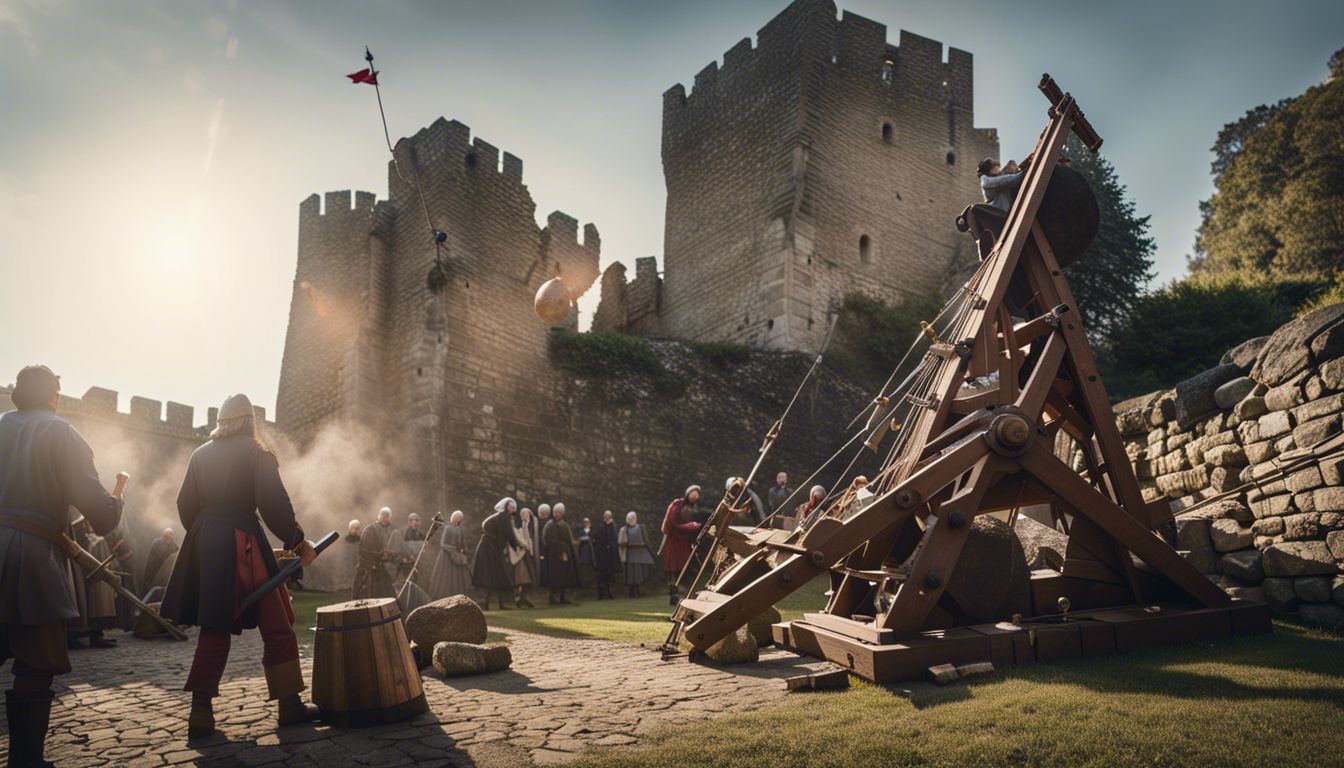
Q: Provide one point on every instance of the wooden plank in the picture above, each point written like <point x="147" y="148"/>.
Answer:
<point x="1040" y="383"/>
<point x="859" y="630"/>
<point x="1116" y="522"/>
<point x="1091" y="391"/>
<point x="841" y="538"/>
<point x="936" y="558"/>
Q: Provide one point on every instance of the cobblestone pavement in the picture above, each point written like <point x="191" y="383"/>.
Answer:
<point x="125" y="707"/>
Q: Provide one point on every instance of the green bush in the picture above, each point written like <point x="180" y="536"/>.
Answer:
<point x="610" y="359"/>
<point x="1185" y="327"/>
<point x="871" y="336"/>
<point x="722" y="354"/>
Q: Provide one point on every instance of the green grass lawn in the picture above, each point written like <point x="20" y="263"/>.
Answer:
<point x="638" y="620"/>
<point x="1272" y="700"/>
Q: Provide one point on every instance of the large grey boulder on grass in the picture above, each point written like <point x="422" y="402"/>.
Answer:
<point x="760" y="626"/>
<point x="738" y="648"/>
<point x="454" y="659"/>
<point x="455" y="619"/>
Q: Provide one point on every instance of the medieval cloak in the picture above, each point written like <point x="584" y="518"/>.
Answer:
<point x="606" y="558"/>
<point x="562" y="564"/>
<point x="101" y="599"/>
<point x="677" y="535"/>
<point x="229" y="480"/>
<point x="633" y="544"/>
<point x="539" y="549"/>
<point x="372" y="578"/>
<point x="45" y="468"/>
<point x="119" y="541"/>
<point x="158" y="552"/>
<point x="452" y="573"/>
<point x="523" y="551"/>
<point x="491" y="570"/>
<point x="584" y="541"/>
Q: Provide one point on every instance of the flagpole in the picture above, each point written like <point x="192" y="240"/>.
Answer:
<point x="439" y="237"/>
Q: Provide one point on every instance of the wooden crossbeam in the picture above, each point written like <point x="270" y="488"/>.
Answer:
<point x="966" y="454"/>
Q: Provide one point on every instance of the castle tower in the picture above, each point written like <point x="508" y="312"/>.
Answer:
<point x="822" y="161"/>
<point x="332" y="345"/>
<point x="442" y="379"/>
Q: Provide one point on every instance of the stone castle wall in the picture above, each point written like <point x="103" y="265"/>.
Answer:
<point x="818" y="162"/>
<point x="1261" y="431"/>
<point x="457" y="396"/>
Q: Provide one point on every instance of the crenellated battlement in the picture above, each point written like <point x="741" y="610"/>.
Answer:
<point x="336" y="205"/>
<point x="809" y="31"/>
<point x="451" y="141"/>
<point x="146" y="414"/>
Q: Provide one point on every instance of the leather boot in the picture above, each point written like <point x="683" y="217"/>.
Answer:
<point x="201" y="721"/>
<point x="291" y="710"/>
<point x="29" y="716"/>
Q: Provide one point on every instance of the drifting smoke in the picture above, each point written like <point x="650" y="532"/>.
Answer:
<point x="345" y="473"/>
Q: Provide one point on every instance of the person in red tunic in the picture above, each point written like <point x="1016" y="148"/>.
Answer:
<point x="679" y="529"/>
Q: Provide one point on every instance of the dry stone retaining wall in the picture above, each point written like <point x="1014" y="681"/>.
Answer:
<point x="1260" y="427"/>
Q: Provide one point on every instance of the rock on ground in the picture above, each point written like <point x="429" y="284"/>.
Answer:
<point x="760" y="626"/>
<point x="452" y="659"/>
<point x="991" y="580"/>
<point x="738" y="648"/>
<point x="1041" y="545"/>
<point x="455" y="619"/>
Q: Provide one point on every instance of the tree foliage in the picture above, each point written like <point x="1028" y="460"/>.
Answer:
<point x="1186" y="326"/>
<point x="1277" y="211"/>
<point x="1112" y="275"/>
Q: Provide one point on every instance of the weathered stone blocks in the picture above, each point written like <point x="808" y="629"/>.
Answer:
<point x="1275" y="424"/>
<point x="1301" y="527"/>
<point x="1195" y="395"/>
<point x="1229" y="535"/>
<point x="1231" y="393"/>
<point x="1279" y="593"/>
<point x="1312" y="589"/>
<point x="1243" y="565"/>
<point x="1298" y="558"/>
<point x="1192" y="535"/>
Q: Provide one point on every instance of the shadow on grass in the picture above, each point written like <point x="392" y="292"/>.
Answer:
<point x="1186" y="671"/>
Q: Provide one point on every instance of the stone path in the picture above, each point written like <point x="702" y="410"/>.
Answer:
<point x="125" y="707"/>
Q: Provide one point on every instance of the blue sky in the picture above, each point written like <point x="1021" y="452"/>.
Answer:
<point x="154" y="154"/>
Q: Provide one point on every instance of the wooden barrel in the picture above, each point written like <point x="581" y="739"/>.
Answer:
<point x="363" y="671"/>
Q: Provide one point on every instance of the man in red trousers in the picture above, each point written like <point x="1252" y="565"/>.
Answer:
<point x="225" y="556"/>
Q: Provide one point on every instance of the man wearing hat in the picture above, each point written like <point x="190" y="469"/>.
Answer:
<point x="225" y="556"/>
<point x="45" y="468"/>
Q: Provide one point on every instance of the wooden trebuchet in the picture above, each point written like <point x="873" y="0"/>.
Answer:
<point x="1007" y="372"/>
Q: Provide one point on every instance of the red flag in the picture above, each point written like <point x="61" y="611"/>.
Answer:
<point x="364" y="76"/>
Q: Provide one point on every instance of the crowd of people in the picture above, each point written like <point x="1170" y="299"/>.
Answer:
<point x="520" y="550"/>
<point x="230" y="491"/>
